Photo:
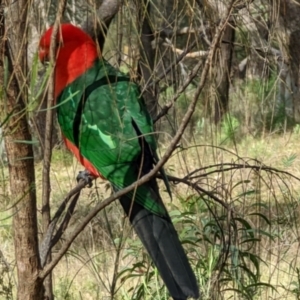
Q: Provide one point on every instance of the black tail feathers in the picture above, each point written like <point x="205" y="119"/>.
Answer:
<point x="162" y="243"/>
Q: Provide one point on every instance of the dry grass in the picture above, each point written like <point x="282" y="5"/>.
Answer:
<point x="86" y="271"/>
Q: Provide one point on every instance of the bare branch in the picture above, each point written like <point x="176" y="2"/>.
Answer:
<point x="66" y="220"/>
<point x="47" y="144"/>
<point x="192" y="74"/>
<point x="188" y="30"/>
<point x="168" y="33"/>
<point x="195" y="54"/>
<point x="48" y="242"/>
<point x="147" y="62"/>
<point x="97" y="24"/>
<point x="199" y="189"/>
<point x="178" y="60"/>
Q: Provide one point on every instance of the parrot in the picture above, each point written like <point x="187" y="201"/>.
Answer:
<point x="105" y="124"/>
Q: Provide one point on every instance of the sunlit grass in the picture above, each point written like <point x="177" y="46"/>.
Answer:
<point x="87" y="271"/>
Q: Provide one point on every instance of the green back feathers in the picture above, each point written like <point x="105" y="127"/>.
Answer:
<point x="96" y="113"/>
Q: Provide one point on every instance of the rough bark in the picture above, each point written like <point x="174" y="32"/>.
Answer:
<point x="146" y="64"/>
<point x="22" y="182"/>
<point x="223" y="72"/>
<point x="215" y="10"/>
<point x="257" y="65"/>
<point x="19" y="150"/>
<point x="97" y="24"/>
<point x="289" y="12"/>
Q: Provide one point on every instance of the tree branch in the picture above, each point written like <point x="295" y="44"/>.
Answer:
<point x="147" y="62"/>
<point x="192" y="74"/>
<point x="168" y="33"/>
<point x="195" y="54"/>
<point x="178" y="60"/>
<point x="46" y="189"/>
<point x="97" y="24"/>
<point x="48" y="242"/>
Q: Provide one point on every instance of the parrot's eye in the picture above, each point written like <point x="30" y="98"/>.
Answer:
<point x="43" y="54"/>
<point x="59" y="44"/>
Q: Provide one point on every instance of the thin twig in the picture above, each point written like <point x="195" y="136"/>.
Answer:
<point x="66" y="220"/>
<point x="46" y="189"/>
<point x="48" y="242"/>
<point x="176" y="62"/>
<point x="164" y="110"/>
<point x="234" y="166"/>
<point x="166" y="32"/>
<point x="195" y="54"/>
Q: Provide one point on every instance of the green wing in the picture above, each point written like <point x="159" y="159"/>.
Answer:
<point x="100" y="113"/>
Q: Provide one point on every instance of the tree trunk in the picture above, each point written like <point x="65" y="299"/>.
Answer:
<point x="289" y="11"/>
<point x="147" y="61"/>
<point x="19" y="151"/>
<point x="22" y="183"/>
<point x="223" y="72"/>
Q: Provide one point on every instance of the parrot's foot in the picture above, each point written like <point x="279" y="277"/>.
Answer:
<point x="86" y="176"/>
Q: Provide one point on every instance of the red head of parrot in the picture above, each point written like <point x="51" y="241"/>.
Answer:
<point x="76" y="53"/>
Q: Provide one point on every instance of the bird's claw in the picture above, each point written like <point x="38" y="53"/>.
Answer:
<point x="86" y="177"/>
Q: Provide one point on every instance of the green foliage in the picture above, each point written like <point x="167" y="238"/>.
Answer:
<point x="279" y="120"/>
<point x="289" y="160"/>
<point x="230" y="129"/>
<point x="62" y="157"/>
<point x="37" y="83"/>
<point x="236" y="265"/>
<point x="295" y="285"/>
<point x="296" y="129"/>
<point x="262" y="89"/>
<point x="6" y="279"/>
<point x="5" y="209"/>
<point x="149" y="284"/>
<point x="257" y="105"/>
<point x="63" y="290"/>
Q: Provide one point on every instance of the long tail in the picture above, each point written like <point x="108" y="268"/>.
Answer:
<point x="162" y="243"/>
